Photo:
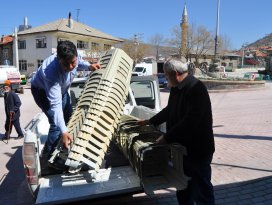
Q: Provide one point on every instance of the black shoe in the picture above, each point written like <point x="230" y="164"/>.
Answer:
<point x="6" y="138"/>
<point x="19" y="137"/>
<point x="58" y="164"/>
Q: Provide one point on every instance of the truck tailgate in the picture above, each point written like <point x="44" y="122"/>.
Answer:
<point x="69" y="188"/>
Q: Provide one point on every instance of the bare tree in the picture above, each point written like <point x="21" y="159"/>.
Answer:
<point x="175" y="41"/>
<point x="199" y="42"/>
<point x="157" y="40"/>
<point x="224" y="44"/>
<point x="129" y="47"/>
<point x="95" y="52"/>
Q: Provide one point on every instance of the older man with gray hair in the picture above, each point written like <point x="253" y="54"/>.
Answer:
<point x="188" y="118"/>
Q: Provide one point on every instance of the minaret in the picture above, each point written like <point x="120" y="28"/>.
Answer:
<point x="184" y="32"/>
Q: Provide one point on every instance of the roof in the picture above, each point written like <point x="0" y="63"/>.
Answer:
<point x="5" y="40"/>
<point x="77" y="28"/>
<point x="260" y="54"/>
<point x="231" y="54"/>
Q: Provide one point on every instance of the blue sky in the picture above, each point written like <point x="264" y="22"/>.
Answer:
<point x="241" y="20"/>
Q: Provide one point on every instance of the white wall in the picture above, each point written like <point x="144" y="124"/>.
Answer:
<point x="32" y="54"/>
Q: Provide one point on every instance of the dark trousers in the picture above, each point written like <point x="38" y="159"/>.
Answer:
<point x="41" y="100"/>
<point x="16" y="124"/>
<point x="200" y="188"/>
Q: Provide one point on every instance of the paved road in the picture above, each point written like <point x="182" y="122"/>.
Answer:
<point x="242" y="165"/>
<point x="13" y="187"/>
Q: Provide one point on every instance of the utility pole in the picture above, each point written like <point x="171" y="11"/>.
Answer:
<point x="215" y="62"/>
<point x="77" y="18"/>
<point x="15" y="48"/>
<point x="136" y="43"/>
<point x="217" y="30"/>
<point x="243" y="54"/>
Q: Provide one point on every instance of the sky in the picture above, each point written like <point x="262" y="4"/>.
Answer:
<point x="242" y="21"/>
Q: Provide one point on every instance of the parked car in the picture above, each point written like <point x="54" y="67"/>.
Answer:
<point x="23" y="79"/>
<point x="162" y="80"/>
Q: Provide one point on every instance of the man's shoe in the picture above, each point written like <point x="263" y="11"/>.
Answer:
<point x="58" y="164"/>
<point x="6" y="138"/>
<point x="19" y="137"/>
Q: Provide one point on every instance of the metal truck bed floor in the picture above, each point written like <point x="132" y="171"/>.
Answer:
<point x="68" y="188"/>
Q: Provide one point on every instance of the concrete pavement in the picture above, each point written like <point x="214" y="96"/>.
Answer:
<point x="242" y="164"/>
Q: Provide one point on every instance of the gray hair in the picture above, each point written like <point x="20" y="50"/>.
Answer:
<point x="174" y="64"/>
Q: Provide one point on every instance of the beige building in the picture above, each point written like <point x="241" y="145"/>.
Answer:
<point x="36" y="44"/>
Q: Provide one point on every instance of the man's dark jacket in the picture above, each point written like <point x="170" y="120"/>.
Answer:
<point x="188" y="118"/>
<point x="12" y="104"/>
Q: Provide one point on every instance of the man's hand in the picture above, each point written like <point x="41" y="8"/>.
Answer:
<point x="142" y="122"/>
<point x="161" y="140"/>
<point x="66" y="140"/>
<point x="94" y="66"/>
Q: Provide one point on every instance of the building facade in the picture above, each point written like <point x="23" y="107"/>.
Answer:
<point x="36" y="44"/>
<point x="6" y="50"/>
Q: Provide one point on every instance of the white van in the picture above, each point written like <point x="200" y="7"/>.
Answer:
<point x="144" y="69"/>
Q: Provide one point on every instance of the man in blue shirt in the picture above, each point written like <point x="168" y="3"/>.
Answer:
<point x="49" y="87"/>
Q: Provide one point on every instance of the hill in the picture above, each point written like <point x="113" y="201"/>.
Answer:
<point x="265" y="41"/>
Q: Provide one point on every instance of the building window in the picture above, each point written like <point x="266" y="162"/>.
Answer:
<point x="22" y="65"/>
<point x="41" y="42"/>
<point x="82" y="44"/>
<point x="39" y="62"/>
<point x="62" y="39"/>
<point x="107" y="47"/>
<point x="5" y="53"/>
<point x="95" y="46"/>
<point x="223" y="64"/>
<point x="22" y="44"/>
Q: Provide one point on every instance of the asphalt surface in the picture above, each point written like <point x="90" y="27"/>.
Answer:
<point x="242" y="164"/>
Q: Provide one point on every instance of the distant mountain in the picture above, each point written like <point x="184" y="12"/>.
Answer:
<point x="265" y="41"/>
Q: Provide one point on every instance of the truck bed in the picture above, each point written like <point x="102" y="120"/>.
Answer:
<point x="64" y="188"/>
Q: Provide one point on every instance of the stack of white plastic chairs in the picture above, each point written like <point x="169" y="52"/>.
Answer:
<point x="98" y="110"/>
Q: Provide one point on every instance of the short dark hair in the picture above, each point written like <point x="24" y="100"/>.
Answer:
<point x="66" y="50"/>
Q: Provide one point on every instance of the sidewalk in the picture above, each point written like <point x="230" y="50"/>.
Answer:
<point x="242" y="164"/>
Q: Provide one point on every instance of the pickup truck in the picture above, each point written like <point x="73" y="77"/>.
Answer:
<point x="132" y="162"/>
